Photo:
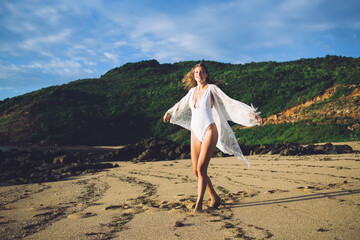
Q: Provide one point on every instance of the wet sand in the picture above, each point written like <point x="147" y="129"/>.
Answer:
<point x="279" y="197"/>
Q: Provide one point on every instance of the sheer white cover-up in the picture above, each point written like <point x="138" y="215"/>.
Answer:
<point x="225" y="109"/>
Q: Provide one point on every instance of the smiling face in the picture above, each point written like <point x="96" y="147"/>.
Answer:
<point x="200" y="75"/>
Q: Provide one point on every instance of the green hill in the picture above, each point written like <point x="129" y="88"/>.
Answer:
<point x="127" y="103"/>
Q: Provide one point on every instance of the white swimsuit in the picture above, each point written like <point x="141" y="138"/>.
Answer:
<point x="202" y="117"/>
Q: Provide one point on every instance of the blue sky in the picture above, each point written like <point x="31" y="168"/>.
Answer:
<point x="51" y="42"/>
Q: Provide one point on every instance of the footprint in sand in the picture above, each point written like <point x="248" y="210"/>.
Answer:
<point x="114" y="207"/>
<point x="81" y="215"/>
<point x="272" y="191"/>
<point x="6" y="207"/>
<point x="322" y="230"/>
<point x="248" y="231"/>
<point x="307" y="188"/>
<point x="4" y="220"/>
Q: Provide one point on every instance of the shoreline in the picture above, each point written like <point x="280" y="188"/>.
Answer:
<point x="34" y="165"/>
<point x="354" y="144"/>
<point x="71" y="148"/>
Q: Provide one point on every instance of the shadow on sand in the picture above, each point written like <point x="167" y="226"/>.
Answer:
<point x="296" y="199"/>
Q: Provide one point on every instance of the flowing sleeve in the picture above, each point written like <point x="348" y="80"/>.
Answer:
<point x="225" y="109"/>
<point x="234" y="110"/>
<point x="180" y="113"/>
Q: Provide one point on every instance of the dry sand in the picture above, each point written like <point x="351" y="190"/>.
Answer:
<point x="279" y="197"/>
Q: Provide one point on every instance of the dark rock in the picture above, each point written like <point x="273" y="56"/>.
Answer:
<point x="154" y="149"/>
<point x="62" y="159"/>
<point x="308" y="150"/>
<point x="328" y="147"/>
<point x="343" y="149"/>
<point x="147" y="155"/>
<point x="32" y="165"/>
<point x="23" y="166"/>
<point x="185" y="156"/>
<point x="179" y="150"/>
<point x="171" y="155"/>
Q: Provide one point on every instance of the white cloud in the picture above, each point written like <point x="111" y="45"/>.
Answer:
<point x="89" y="71"/>
<point x="167" y="38"/>
<point x="89" y="63"/>
<point x="7" y="70"/>
<point x="36" y="43"/>
<point x="28" y="17"/>
<point x="120" y="44"/>
<point x="111" y="57"/>
<point x="61" y="67"/>
<point x="48" y="14"/>
<point x="6" y="88"/>
<point x="67" y="39"/>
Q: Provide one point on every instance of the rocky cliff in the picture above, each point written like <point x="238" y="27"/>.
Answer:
<point x="339" y="104"/>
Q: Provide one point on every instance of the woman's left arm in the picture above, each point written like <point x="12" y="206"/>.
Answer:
<point x="236" y="111"/>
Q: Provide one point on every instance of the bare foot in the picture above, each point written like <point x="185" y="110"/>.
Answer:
<point x="215" y="203"/>
<point x="198" y="208"/>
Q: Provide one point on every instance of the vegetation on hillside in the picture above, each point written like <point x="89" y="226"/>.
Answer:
<point x="304" y="132"/>
<point x="127" y="103"/>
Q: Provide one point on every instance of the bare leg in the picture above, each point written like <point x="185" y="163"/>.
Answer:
<point x="201" y="154"/>
<point x="195" y="152"/>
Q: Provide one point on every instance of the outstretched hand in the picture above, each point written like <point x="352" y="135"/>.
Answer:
<point x="258" y="119"/>
<point x="166" y="117"/>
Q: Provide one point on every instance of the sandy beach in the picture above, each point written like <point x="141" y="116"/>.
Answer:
<point x="278" y="197"/>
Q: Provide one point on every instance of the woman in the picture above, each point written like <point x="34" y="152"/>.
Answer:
<point x="205" y="111"/>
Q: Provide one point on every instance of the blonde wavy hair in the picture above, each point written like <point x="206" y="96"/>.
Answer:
<point x="189" y="79"/>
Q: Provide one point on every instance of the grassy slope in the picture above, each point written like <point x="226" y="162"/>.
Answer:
<point x="127" y="103"/>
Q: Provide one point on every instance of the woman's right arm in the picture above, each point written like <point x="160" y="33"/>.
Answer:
<point x="179" y="106"/>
